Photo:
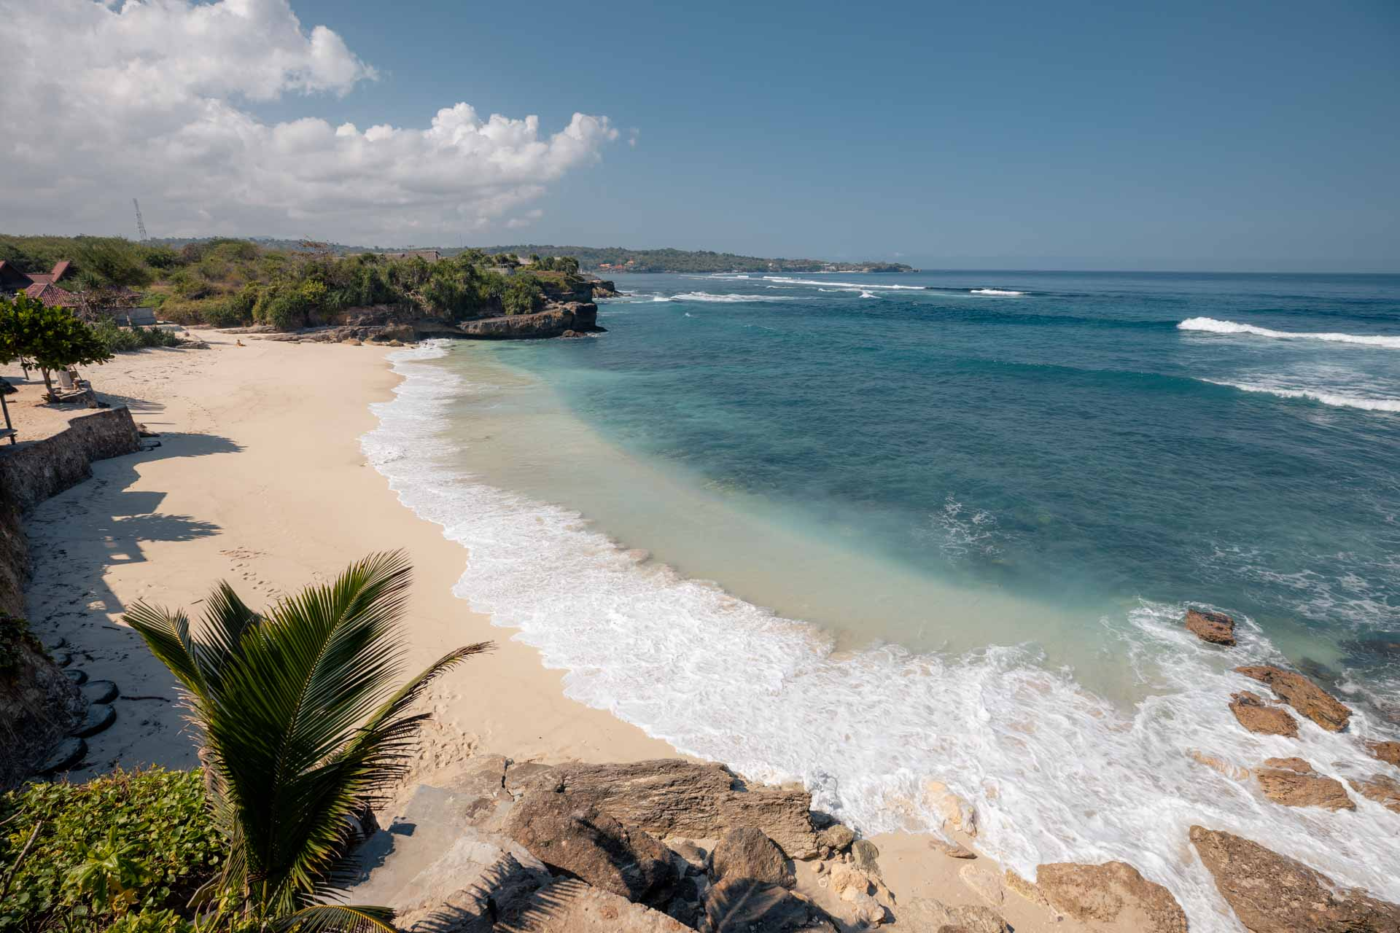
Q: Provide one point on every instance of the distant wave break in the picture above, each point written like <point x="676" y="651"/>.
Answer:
<point x="1326" y="398"/>
<point x="1212" y="326"/>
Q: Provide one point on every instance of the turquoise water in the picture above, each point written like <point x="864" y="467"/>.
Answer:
<point x="869" y="532"/>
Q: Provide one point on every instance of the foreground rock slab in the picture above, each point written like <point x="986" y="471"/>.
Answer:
<point x="1112" y="895"/>
<point x="1385" y="751"/>
<point x="581" y="839"/>
<point x="1303" y="695"/>
<point x="574" y="907"/>
<point x="670" y="797"/>
<point x="1214" y="627"/>
<point x="747" y="853"/>
<point x="1381" y="788"/>
<point x="926" y="914"/>
<point x="1260" y="718"/>
<point x="1294" y="783"/>
<point x="1271" y="893"/>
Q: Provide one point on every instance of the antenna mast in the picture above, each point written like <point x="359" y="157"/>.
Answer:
<point x="140" y="224"/>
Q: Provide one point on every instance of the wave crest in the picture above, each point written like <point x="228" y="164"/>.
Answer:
<point x="1212" y="326"/>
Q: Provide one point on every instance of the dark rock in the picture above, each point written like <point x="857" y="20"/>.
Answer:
<point x="693" y="855"/>
<point x="53" y="642"/>
<point x="99" y="717"/>
<point x="99" y="691"/>
<point x="76" y="676"/>
<point x="65" y="755"/>
<point x="1293" y="783"/>
<point x="1114" y="893"/>
<point x="747" y="853"/>
<point x="1214" y="627"/>
<point x="1271" y="893"/>
<point x="836" y="837"/>
<point x="672" y="797"/>
<point x="39" y="706"/>
<point x="63" y="659"/>
<point x="1255" y="716"/>
<point x="863" y="856"/>
<point x="581" y="317"/>
<point x="1303" y="695"/>
<point x="586" y="842"/>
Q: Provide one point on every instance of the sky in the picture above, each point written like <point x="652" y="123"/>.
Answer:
<point x="1244" y="136"/>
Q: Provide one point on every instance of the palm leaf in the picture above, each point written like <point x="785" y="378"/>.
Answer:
<point x="168" y="636"/>
<point x="334" y="918"/>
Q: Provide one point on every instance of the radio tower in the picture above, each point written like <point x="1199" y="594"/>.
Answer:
<point x="140" y="224"/>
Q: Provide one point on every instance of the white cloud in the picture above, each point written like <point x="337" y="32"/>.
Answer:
<point x="154" y="99"/>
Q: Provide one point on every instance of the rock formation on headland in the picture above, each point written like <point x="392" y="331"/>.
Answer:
<point x="1214" y="627"/>
<point x="1303" y="695"/>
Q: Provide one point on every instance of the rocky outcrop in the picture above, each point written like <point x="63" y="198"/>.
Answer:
<point x="579" y="838"/>
<point x="581" y="317"/>
<point x="1381" y="788"/>
<point x="1385" y="751"/>
<point x="1271" y="893"/>
<point x="1214" y="627"/>
<point x="39" y="705"/>
<point x="1260" y="718"/>
<point x="1113" y="894"/>
<point x="747" y="853"/>
<point x="1294" y="783"/>
<point x="1303" y="695"/>
<point x="671" y="797"/>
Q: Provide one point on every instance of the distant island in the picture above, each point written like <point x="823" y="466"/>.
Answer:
<point x="610" y="259"/>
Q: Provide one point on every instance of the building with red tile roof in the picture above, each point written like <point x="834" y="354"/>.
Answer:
<point x="38" y="285"/>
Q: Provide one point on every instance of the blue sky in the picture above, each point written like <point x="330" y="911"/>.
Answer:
<point x="1229" y="136"/>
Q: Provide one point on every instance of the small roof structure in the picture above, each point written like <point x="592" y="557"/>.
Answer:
<point x="50" y="294"/>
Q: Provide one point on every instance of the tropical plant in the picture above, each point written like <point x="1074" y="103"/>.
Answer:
<point x="47" y="337"/>
<point x="304" y="727"/>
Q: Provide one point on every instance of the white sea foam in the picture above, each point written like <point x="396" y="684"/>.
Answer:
<point x="1326" y="398"/>
<point x="1212" y="326"/>
<point x="994" y="291"/>
<point x="790" y="281"/>
<point x="1055" y="772"/>
<point x="732" y="298"/>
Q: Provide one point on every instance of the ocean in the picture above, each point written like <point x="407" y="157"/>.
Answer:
<point x="874" y="531"/>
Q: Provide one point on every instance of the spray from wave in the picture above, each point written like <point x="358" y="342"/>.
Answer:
<point x="1212" y="326"/>
<point x="1055" y="772"/>
<point x="995" y="291"/>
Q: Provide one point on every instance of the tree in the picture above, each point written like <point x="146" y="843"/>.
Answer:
<point x="304" y="727"/>
<point x="47" y="337"/>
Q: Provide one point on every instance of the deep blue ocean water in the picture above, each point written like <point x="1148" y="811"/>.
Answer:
<point x="874" y="532"/>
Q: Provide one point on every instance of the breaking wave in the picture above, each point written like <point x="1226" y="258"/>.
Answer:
<point x="994" y="291"/>
<point x="1055" y="772"/>
<point x="1326" y="398"/>
<point x="1212" y="326"/>
<point x="790" y="281"/>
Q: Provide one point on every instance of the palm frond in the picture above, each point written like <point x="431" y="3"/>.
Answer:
<point x="168" y="636"/>
<point x="334" y="918"/>
<point x="226" y="619"/>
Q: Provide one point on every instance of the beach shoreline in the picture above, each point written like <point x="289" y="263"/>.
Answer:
<point x="260" y="480"/>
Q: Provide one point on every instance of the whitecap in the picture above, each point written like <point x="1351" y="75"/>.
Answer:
<point x="993" y="291"/>
<point x="1212" y="326"/>
<point x="1335" y="399"/>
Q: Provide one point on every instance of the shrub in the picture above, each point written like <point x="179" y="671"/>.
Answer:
<point x="288" y="306"/>
<point x="154" y="823"/>
<point x="521" y="295"/>
<point x="14" y="633"/>
<point x="152" y="921"/>
<point x="125" y="340"/>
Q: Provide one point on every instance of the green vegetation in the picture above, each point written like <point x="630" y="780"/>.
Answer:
<point x="305" y="724"/>
<point x="128" y="339"/>
<point x="47" y="338"/>
<point x="698" y="261"/>
<point x="231" y="283"/>
<point x="14" y="633"/>
<point x="126" y="847"/>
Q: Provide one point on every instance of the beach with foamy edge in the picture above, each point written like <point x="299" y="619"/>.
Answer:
<point x="261" y="481"/>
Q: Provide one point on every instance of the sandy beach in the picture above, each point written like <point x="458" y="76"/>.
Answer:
<point x="259" y="480"/>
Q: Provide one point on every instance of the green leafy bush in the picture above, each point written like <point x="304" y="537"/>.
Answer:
<point x="522" y="295"/>
<point x="121" y="844"/>
<point x="152" y="921"/>
<point x="14" y="632"/>
<point x="128" y="339"/>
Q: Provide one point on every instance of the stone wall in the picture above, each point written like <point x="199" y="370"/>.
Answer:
<point x="37" y="702"/>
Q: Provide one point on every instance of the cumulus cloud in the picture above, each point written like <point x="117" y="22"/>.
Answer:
<point x="158" y="99"/>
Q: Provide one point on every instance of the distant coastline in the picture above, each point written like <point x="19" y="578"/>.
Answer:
<point x="610" y="259"/>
